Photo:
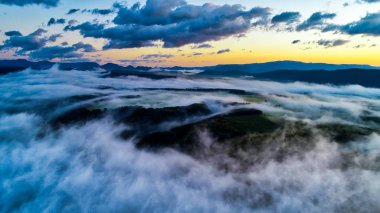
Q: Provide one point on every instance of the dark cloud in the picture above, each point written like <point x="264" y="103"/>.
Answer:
<point x="101" y="11"/>
<point x="201" y="46"/>
<point x="72" y="11"/>
<point x="154" y="12"/>
<point x="72" y="22"/>
<point x="25" y="43"/>
<point x="54" y="37"/>
<point x="332" y="43"/>
<point x="87" y="29"/>
<point x="48" y="53"/>
<point x="196" y="54"/>
<point x="53" y="21"/>
<point x="45" y="3"/>
<point x="64" y="43"/>
<point x="286" y="17"/>
<point x="316" y="20"/>
<point x="223" y="51"/>
<point x="330" y="27"/>
<point x="35" y="43"/>
<point x="155" y="56"/>
<point x="13" y="33"/>
<point x="61" y="52"/>
<point x="368" y="25"/>
<point x="296" y="41"/>
<point x="84" y="47"/>
<point x="174" y="22"/>
<point x="38" y="32"/>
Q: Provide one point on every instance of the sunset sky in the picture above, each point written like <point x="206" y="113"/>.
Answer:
<point x="192" y="32"/>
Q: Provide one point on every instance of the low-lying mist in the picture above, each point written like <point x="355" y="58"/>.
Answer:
<point x="89" y="167"/>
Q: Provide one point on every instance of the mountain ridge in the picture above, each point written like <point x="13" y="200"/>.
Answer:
<point x="355" y="76"/>
<point x="216" y="69"/>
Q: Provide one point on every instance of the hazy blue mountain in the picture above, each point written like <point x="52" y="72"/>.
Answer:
<point x="79" y="66"/>
<point x="112" y="66"/>
<point x="23" y="63"/>
<point x="229" y="69"/>
<point x="363" y="77"/>
<point x="224" y="73"/>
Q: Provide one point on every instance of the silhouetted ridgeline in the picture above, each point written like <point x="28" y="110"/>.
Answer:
<point x="214" y="70"/>
<point x="363" y="77"/>
<point x="321" y="73"/>
<point x="7" y="66"/>
<point x="232" y="69"/>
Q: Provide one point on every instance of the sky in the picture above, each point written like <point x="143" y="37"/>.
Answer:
<point x="191" y="32"/>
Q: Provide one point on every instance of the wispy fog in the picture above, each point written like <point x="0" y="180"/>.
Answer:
<point x="90" y="168"/>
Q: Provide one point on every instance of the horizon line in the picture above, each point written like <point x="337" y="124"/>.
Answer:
<point x="121" y="64"/>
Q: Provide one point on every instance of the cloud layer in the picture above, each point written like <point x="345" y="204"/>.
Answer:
<point x="88" y="167"/>
<point x="175" y="23"/>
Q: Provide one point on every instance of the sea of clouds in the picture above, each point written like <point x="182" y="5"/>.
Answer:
<point x="89" y="168"/>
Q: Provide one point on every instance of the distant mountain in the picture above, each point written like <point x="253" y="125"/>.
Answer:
<point x="223" y="73"/>
<point x="85" y="66"/>
<point x="363" y="77"/>
<point x="288" y="71"/>
<point x="142" y="74"/>
<point x="6" y="70"/>
<point x="112" y="66"/>
<point x="42" y="65"/>
<point x="22" y="63"/>
<point x="7" y="66"/>
<point x="243" y="69"/>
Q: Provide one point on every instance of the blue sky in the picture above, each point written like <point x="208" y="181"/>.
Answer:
<point x="256" y="43"/>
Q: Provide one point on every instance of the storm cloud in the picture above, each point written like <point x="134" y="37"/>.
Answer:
<point x="54" y="37"/>
<point x="286" y="17"/>
<point x="101" y="11"/>
<point x="369" y="25"/>
<point x="174" y="22"/>
<point x="72" y="11"/>
<point x="48" y="53"/>
<point x="315" y="20"/>
<point x="84" y="47"/>
<point x="53" y="21"/>
<point x="13" y="33"/>
<point x="25" y="43"/>
<point x="62" y="52"/>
